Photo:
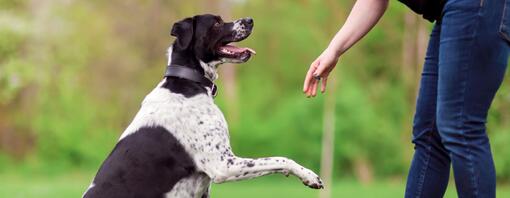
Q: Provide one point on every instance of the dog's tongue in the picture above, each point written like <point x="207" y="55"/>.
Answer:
<point x="238" y="49"/>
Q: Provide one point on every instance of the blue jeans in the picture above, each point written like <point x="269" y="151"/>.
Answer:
<point x="464" y="67"/>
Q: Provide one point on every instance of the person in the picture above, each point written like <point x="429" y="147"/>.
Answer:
<point x="464" y="67"/>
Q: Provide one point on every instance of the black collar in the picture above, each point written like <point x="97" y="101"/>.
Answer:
<point x="190" y="74"/>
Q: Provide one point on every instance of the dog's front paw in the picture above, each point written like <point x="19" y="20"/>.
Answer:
<point x="316" y="184"/>
<point x="309" y="178"/>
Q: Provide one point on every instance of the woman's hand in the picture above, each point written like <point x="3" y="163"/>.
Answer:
<point x="319" y="70"/>
<point x="364" y="15"/>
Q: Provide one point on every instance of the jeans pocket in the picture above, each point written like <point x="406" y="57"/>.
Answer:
<point x="504" y="27"/>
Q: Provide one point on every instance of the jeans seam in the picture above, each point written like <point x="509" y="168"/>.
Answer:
<point x="466" y="144"/>
<point x="423" y="171"/>
<point x="502" y="23"/>
<point x="462" y="114"/>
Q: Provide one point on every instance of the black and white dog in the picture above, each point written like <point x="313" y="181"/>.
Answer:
<point x="178" y="143"/>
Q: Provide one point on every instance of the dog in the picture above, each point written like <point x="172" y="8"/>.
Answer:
<point x="178" y="143"/>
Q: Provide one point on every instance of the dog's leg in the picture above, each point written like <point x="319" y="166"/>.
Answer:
<point x="206" y="193"/>
<point x="235" y="168"/>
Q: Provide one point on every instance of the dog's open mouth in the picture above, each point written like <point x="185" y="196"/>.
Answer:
<point x="234" y="52"/>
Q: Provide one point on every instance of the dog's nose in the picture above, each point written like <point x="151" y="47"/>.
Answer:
<point x="249" y="20"/>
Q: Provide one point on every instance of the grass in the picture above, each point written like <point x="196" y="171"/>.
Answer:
<point x="73" y="185"/>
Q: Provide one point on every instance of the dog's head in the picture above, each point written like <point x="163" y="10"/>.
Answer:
<point x="207" y="39"/>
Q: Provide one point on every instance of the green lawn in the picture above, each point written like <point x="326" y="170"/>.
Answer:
<point x="72" y="185"/>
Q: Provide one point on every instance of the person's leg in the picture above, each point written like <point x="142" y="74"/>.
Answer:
<point x="472" y="63"/>
<point x="430" y="168"/>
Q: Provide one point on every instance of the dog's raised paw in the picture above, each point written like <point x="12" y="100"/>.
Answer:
<point x="311" y="179"/>
<point x="317" y="184"/>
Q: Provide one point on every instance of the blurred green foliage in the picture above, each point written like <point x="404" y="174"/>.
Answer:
<point x="73" y="74"/>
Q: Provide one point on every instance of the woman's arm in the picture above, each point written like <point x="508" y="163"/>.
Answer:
<point x="364" y="15"/>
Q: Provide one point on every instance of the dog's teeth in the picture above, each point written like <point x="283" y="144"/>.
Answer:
<point x="251" y="50"/>
<point x="226" y="51"/>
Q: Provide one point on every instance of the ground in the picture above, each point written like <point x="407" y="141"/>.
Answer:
<point x="73" y="184"/>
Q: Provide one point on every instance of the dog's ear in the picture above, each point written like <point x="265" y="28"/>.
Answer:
<point x="183" y="30"/>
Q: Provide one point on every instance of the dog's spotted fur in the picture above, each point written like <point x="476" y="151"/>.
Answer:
<point x="178" y="143"/>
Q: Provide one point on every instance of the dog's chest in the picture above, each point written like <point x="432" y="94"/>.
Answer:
<point x="194" y="121"/>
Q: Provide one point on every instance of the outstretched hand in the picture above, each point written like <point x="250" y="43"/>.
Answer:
<point x="319" y="70"/>
<point x="364" y="15"/>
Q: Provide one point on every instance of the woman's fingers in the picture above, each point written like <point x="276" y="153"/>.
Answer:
<point x="319" y="70"/>
<point x="309" y="76"/>
<point x="324" y="84"/>
<point x="309" y="92"/>
<point x="314" y="88"/>
<point x="309" y="89"/>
